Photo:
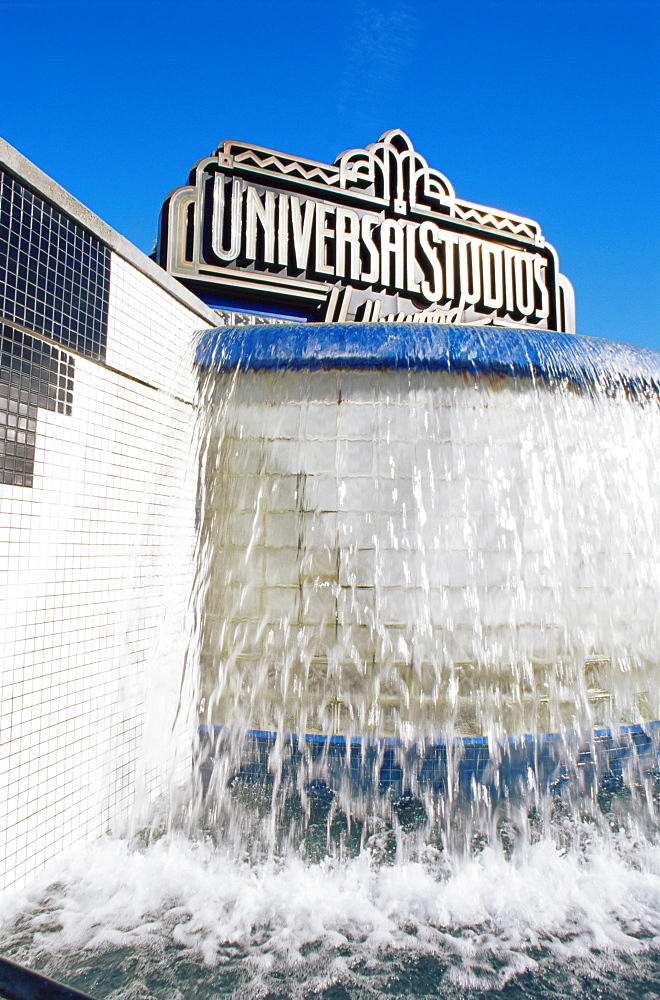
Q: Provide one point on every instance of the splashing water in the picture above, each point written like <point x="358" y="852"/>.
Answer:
<point x="416" y="568"/>
<point x="186" y="917"/>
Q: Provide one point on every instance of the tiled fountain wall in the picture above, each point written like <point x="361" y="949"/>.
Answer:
<point x="96" y="518"/>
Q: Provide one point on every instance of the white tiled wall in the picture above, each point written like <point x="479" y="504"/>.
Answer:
<point x="96" y="574"/>
<point x="145" y="331"/>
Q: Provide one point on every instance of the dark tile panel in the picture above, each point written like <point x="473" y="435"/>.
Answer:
<point x="54" y="276"/>
<point x="32" y="375"/>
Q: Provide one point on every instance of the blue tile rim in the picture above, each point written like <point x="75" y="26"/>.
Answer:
<point x="401" y="769"/>
<point x="468" y="741"/>
<point x="516" y="353"/>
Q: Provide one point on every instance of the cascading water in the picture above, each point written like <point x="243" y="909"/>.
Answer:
<point x="429" y="653"/>
<point x="408" y="552"/>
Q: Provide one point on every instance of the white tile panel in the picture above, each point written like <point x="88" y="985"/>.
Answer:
<point x="97" y="561"/>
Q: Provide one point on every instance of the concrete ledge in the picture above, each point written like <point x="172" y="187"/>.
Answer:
<point x="19" y="983"/>
<point x="48" y="189"/>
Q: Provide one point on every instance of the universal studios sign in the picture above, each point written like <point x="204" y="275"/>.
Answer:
<point x="377" y="236"/>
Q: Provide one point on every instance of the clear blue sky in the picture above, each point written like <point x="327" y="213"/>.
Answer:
<point x="547" y="108"/>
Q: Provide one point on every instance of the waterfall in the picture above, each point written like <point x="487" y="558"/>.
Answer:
<point x="417" y="535"/>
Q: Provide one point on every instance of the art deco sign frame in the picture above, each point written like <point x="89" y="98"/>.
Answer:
<point x="378" y="235"/>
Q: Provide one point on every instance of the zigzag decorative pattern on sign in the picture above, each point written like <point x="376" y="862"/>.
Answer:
<point x="311" y="172"/>
<point x="504" y="223"/>
<point x="289" y="166"/>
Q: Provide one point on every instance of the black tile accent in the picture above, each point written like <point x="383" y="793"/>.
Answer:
<point x="32" y="374"/>
<point x="54" y="276"/>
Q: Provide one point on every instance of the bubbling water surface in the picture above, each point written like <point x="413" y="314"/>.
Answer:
<point x="182" y="918"/>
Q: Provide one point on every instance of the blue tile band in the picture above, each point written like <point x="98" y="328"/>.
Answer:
<point x="586" y="361"/>
<point x="389" y="766"/>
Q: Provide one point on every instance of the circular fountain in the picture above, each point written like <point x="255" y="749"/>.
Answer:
<point x="427" y="583"/>
<point x="416" y="532"/>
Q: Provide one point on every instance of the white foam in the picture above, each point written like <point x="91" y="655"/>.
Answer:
<point x="487" y="917"/>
